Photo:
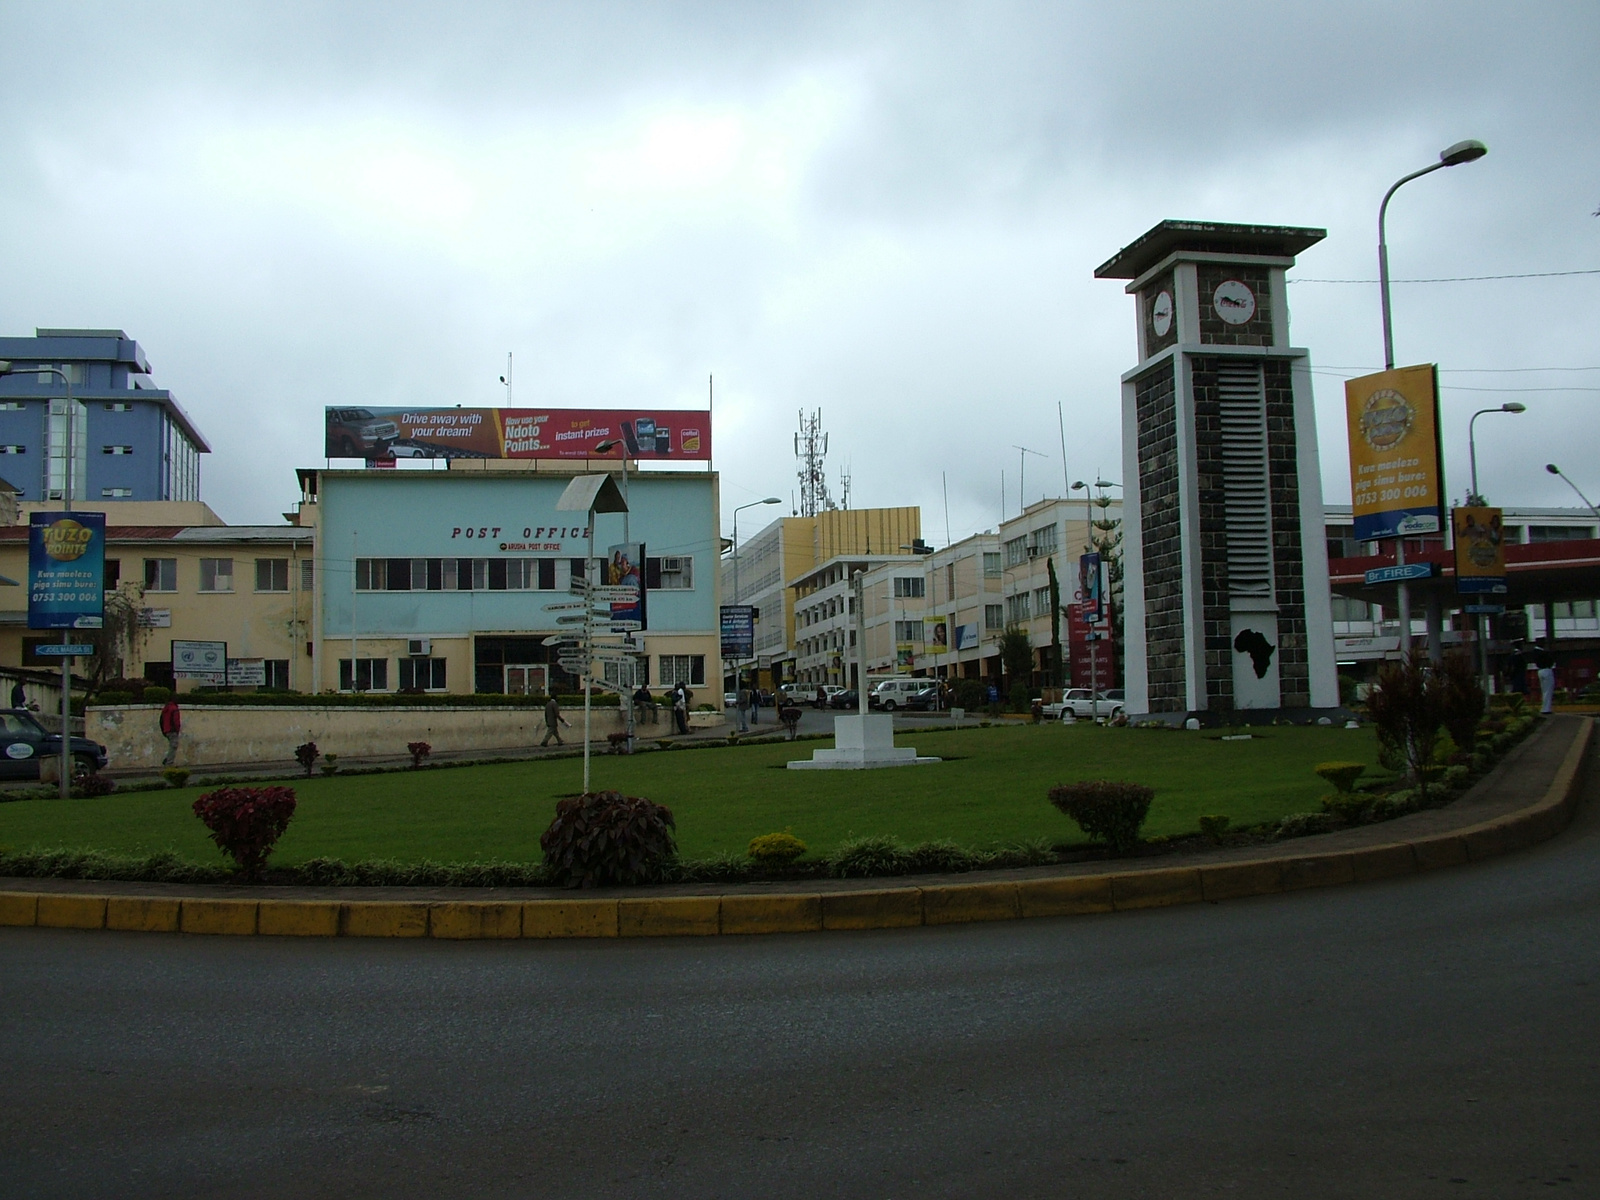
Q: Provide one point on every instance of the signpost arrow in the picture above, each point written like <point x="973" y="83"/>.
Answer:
<point x="67" y="650"/>
<point x="1400" y="574"/>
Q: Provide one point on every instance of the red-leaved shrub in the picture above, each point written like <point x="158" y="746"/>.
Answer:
<point x="245" y="822"/>
<point x="418" y="752"/>
<point x="603" y="838"/>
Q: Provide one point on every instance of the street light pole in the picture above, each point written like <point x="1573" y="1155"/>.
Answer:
<point x="7" y="368"/>
<point x="1450" y="156"/>
<point x="739" y="509"/>
<point x="1555" y="470"/>
<point x="1472" y="446"/>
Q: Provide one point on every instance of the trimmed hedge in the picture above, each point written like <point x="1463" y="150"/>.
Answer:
<point x="382" y="700"/>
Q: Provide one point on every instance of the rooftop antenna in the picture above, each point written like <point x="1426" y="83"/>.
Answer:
<point x="811" y="447"/>
<point x="1066" y="480"/>
<point x="844" y="487"/>
<point x="1022" y="479"/>
<point x="505" y="379"/>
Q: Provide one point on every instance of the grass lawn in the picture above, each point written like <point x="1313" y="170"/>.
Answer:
<point x="993" y="791"/>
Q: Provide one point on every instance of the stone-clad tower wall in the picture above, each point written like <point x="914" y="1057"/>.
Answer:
<point x="1225" y="577"/>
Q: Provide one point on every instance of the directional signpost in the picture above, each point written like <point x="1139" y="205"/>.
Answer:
<point x="1401" y="574"/>
<point x="64" y="650"/>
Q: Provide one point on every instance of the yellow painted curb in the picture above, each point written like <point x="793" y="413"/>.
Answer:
<point x="140" y="914"/>
<point x="299" y="918"/>
<point x="381" y="918"/>
<point x="1317" y="870"/>
<point x="771" y="914"/>
<point x="19" y="908"/>
<point x="1234" y="881"/>
<point x="1447" y="851"/>
<point x="71" y="912"/>
<point x="475" y="919"/>
<point x="569" y="918"/>
<point x="1154" y="889"/>
<point x="1382" y="862"/>
<point x="219" y="916"/>
<point x="885" y="908"/>
<point x="960" y="902"/>
<point x="1070" y="897"/>
<point x="669" y="916"/>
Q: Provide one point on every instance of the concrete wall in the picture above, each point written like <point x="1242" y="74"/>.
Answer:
<point x="218" y="734"/>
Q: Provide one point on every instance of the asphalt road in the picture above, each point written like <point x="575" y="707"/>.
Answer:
<point x="1436" y="1036"/>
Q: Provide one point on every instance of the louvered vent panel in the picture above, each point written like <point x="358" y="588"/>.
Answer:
<point x="1246" y="501"/>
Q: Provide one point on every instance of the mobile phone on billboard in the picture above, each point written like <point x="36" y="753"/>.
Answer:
<point x="629" y="440"/>
<point x="663" y="441"/>
<point x="645" y="430"/>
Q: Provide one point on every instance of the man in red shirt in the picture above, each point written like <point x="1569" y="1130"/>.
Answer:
<point x="171" y="727"/>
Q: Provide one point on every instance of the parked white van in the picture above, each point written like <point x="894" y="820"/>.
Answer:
<point x="890" y="694"/>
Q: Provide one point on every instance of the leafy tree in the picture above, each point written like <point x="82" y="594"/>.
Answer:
<point x="1016" y="656"/>
<point x="1405" y="706"/>
<point x="1055" y="624"/>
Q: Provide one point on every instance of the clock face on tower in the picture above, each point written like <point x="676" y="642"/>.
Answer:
<point x="1234" y="302"/>
<point x="1161" y="313"/>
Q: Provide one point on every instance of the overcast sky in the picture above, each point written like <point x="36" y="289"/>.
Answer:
<point x="890" y="212"/>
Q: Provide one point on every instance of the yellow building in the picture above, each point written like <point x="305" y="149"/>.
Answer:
<point x="187" y="576"/>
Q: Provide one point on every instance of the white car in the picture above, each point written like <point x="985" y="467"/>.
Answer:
<point x="1081" y="704"/>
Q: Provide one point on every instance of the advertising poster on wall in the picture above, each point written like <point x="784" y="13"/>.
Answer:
<point x="1480" y="551"/>
<point x="1090" y="649"/>
<point x="939" y="635"/>
<point x="967" y="637"/>
<point x="66" y="570"/>
<point x="1395" y="480"/>
<point x="625" y="568"/>
<point x="387" y="434"/>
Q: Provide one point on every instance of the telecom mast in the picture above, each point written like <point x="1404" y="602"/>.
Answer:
<point x="811" y="447"/>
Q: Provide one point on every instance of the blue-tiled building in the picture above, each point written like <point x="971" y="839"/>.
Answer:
<point x="129" y="439"/>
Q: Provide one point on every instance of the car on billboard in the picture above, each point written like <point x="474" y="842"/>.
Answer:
<point x="358" y="433"/>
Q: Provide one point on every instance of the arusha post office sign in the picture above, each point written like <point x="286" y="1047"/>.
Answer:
<point x="1395" y="480"/>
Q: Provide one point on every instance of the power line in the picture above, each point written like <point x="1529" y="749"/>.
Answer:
<point x="1458" y="278"/>
<point x="1473" y="370"/>
<point x="1460" y="387"/>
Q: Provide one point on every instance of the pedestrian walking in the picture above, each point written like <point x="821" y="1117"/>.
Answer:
<point x="553" y="720"/>
<point x="744" y="709"/>
<point x="1547" y="681"/>
<point x="19" y="698"/>
<point x="171" y="729"/>
<point x="755" y="705"/>
<point x="680" y="708"/>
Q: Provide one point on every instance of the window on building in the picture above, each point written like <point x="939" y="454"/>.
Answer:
<point x="119" y="406"/>
<point x="272" y="574"/>
<point x="669" y="573"/>
<point x="67" y="424"/>
<point x="1041" y="601"/>
<point x="115" y="493"/>
<point x="216" y="574"/>
<point x="113" y="573"/>
<point x="1016" y="551"/>
<point x="1044" y="540"/>
<point x="422" y="675"/>
<point x="682" y="668"/>
<point x="14" y="406"/>
<point x="13" y="449"/>
<point x="1017" y="608"/>
<point x="160" y="574"/>
<point x="307" y="574"/>
<point x="116" y="449"/>
<point x="1558" y="533"/>
<point x="994" y="617"/>
<point x="1573" y="608"/>
<point x="1342" y="542"/>
<point x="908" y="586"/>
<point x="949" y="581"/>
<point x="372" y="574"/>
<point x="372" y="675"/>
<point x="908" y="631"/>
<point x="1346" y="609"/>
<point x="277" y="674"/>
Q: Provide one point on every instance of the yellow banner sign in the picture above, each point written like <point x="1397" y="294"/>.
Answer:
<point x="1480" y="550"/>
<point x="1395" y="480"/>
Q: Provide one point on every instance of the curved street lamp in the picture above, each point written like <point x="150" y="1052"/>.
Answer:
<point x="736" y="512"/>
<point x="1513" y="406"/>
<point x="1450" y="156"/>
<point x="1555" y="470"/>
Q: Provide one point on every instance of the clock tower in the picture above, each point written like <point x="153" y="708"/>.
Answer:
<point x="1225" y="570"/>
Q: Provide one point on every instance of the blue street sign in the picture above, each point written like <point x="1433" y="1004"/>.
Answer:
<point x="1404" y="574"/>
<point x="1493" y="610"/>
<point x="69" y="650"/>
